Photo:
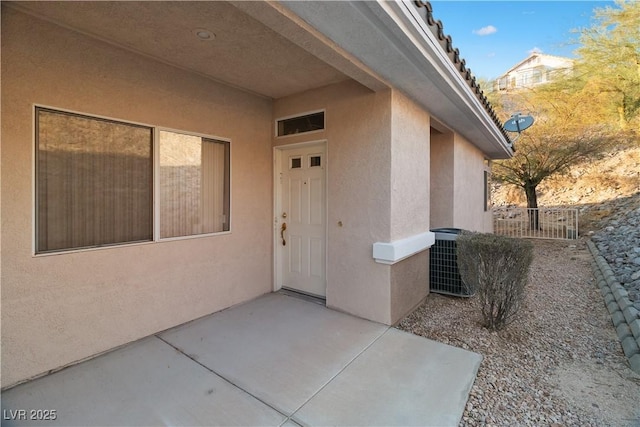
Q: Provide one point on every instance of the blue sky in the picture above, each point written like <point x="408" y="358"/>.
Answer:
<point x="493" y="36"/>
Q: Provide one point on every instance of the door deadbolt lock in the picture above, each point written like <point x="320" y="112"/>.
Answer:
<point x="284" y="214"/>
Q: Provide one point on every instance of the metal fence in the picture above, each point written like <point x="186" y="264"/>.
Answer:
<point x="540" y="223"/>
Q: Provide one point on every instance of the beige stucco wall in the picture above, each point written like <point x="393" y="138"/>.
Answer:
<point x="358" y="138"/>
<point x="468" y="212"/>
<point x="58" y="309"/>
<point x="410" y="200"/>
<point x="442" y="185"/>
<point x="410" y="168"/>
<point x="457" y="184"/>
<point x="409" y="285"/>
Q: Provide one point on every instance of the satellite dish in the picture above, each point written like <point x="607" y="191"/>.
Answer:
<point x="518" y="123"/>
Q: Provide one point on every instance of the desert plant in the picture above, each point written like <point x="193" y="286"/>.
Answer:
<point x="498" y="268"/>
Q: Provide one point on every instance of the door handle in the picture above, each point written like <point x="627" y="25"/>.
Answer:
<point x="282" y="229"/>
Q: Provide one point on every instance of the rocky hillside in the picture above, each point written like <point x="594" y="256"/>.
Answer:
<point x="599" y="188"/>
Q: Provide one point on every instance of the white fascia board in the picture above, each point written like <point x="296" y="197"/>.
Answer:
<point x="393" y="252"/>
<point x="395" y="42"/>
<point x="408" y="20"/>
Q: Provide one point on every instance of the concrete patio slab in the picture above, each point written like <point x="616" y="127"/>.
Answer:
<point x="400" y="380"/>
<point x="147" y="383"/>
<point x="281" y="349"/>
<point x="274" y="361"/>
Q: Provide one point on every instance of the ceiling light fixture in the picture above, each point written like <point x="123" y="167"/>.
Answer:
<point x="203" y="34"/>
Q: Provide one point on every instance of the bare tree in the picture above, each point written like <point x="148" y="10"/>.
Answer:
<point x="570" y="128"/>
<point x="543" y="152"/>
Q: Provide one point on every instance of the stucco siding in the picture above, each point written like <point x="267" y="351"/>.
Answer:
<point x="358" y="134"/>
<point x="409" y="285"/>
<point x="457" y="184"/>
<point x="58" y="309"/>
<point x="468" y="212"/>
<point x="410" y="168"/>
<point x="410" y="200"/>
<point x="442" y="175"/>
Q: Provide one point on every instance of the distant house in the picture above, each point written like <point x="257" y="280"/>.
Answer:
<point x="536" y="69"/>
<point x="162" y="161"/>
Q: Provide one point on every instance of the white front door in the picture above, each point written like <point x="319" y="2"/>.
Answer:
<point x="300" y="219"/>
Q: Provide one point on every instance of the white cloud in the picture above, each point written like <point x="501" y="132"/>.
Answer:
<point x="535" y="50"/>
<point x="485" y="31"/>
<point x="491" y="55"/>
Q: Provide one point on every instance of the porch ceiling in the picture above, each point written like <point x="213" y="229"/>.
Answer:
<point x="280" y="48"/>
<point x="245" y="53"/>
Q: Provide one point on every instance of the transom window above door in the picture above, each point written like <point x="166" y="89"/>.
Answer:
<point x="300" y="124"/>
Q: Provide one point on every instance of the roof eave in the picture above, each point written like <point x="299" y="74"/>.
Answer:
<point x="396" y="42"/>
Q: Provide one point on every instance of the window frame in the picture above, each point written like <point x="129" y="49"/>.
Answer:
<point x="156" y="185"/>
<point x="488" y="203"/>
<point x="155" y="190"/>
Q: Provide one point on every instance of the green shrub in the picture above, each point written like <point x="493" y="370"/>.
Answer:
<point x="498" y="268"/>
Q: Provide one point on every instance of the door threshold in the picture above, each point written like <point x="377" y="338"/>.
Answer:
<point x="304" y="296"/>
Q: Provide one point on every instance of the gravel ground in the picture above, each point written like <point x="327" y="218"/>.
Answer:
<point x="559" y="363"/>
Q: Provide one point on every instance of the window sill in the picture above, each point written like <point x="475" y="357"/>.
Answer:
<point x="126" y="245"/>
